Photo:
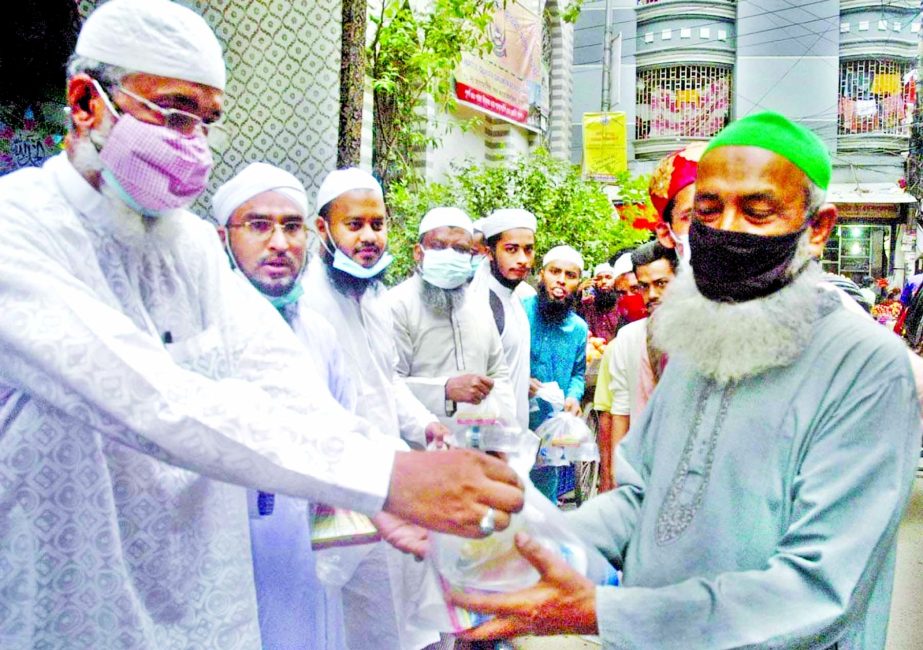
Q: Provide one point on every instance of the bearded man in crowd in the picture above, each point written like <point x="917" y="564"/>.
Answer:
<point x="558" y="352"/>
<point x="449" y="351"/>
<point x="782" y="419"/>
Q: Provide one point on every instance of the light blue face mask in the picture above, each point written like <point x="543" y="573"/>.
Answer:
<point x="346" y="264"/>
<point x="446" y="268"/>
<point x="476" y="261"/>
<point x="292" y="296"/>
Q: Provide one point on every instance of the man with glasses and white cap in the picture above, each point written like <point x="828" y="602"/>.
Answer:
<point x="343" y="285"/>
<point x="449" y="351"/>
<point x="143" y="385"/>
<point x="261" y="216"/>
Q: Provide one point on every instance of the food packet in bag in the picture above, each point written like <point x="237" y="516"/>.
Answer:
<point x="494" y="565"/>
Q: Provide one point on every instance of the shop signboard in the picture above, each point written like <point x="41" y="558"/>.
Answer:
<point x="507" y="80"/>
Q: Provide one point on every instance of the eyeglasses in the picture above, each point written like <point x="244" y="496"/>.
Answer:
<point x="173" y="118"/>
<point x="263" y="229"/>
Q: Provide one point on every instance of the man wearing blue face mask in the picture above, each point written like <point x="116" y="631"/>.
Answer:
<point x="448" y="350"/>
<point x="343" y="285"/>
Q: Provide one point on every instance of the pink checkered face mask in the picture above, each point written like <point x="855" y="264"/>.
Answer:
<point x="154" y="168"/>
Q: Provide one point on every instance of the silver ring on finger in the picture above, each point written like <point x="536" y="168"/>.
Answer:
<point x="487" y="522"/>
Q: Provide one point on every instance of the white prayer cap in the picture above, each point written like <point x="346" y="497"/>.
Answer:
<point x="341" y="181"/>
<point x="154" y="36"/>
<point x="623" y="265"/>
<point x="506" y="219"/>
<point x="439" y="217"/>
<point x="566" y="254"/>
<point x="254" y="179"/>
<point x="605" y="267"/>
<point x="478" y="225"/>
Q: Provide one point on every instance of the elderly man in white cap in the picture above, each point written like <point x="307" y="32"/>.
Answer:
<point x="558" y="344"/>
<point x="261" y="215"/>
<point x="509" y="234"/>
<point x="448" y="348"/>
<point x="143" y="385"/>
<point x="343" y="285"/>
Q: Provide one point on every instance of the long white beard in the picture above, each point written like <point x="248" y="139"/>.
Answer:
<point x="729" y="341"/>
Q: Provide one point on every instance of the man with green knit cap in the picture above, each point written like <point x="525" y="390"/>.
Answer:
<point x="760" y="493"/>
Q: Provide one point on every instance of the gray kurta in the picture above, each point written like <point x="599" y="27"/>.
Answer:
<point x="763" y="514"/>
<point x="432" y="348"/>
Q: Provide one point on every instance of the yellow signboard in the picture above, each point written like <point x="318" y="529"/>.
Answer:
<point x="605" y="145"/>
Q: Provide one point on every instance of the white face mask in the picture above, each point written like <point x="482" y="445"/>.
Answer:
<point x="681" y="243"/>
<point x="446" y="268"/>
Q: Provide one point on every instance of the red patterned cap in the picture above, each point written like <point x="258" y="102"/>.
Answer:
<point x="673" y="173"/>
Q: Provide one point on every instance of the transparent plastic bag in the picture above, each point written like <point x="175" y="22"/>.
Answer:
<point x="487" y="413"/>
<point x="493" y="564"/>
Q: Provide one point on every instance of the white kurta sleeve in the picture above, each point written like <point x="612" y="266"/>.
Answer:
<point x="234" y="402"/>
<point x="618" y="376"/>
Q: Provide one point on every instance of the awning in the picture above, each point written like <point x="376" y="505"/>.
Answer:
<point x="868" y="193"/>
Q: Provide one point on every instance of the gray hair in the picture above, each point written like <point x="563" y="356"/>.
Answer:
<point x="110" y="76"/>
<point x="106" y="74"/>
<point x="814" y="198"/>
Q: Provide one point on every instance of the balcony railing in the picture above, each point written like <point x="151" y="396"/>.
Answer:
<point x="684" y="100"/>
<point x="876" y="97"/>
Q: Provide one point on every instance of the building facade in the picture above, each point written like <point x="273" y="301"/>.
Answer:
<point x="682" y="69"/>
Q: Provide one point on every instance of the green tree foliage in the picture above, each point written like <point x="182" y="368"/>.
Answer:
<point x="570" y="209"/>
<point x="413" y="55"/>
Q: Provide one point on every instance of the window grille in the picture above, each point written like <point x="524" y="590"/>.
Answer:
<point x="683" y="100"/>
<point x="876" y="96"/>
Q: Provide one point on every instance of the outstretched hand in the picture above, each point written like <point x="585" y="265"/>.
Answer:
<point x="561" y="602"/>
<point x="451" y="491"/>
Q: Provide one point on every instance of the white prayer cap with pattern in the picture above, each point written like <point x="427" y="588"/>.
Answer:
<point x="507" y="219"/>
<point x="478" y="225"/>
<point x="341" y="181"/>
<point x="623" y="265"/>
<point x="566" y="254"/>
<point x="157" y="37"/>
<point x="254" y="179"/>
<point x="439" y="217"/>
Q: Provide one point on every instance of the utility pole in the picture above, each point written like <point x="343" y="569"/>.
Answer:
<point x="915" y="157"/>
<point x="607" y="61"/>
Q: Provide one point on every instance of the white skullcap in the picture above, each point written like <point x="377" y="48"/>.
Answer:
<point x="153" y="36"/>
<point x="506" y="219"/>
<point x="439" y="217"/>
<point x="341" y="181"/>
<point x="623" y="265"/>
<point x="478" y="225"/>
<point x="257" y="178"/>
<point x="566" y="254"/>
<point x="605" y="267"/>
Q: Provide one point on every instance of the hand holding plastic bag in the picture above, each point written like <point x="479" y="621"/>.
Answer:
<point x="494" y="565"/>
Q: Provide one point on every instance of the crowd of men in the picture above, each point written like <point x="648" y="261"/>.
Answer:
<point x="173" y="398"/>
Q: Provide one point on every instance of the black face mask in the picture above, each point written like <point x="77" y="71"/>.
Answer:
<point x="738" y="266"/>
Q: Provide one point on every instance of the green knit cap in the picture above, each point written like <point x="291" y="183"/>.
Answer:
<point x="780" y="135"/>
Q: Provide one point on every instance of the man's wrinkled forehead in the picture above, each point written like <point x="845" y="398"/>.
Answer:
<point x="744" y="171"/>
